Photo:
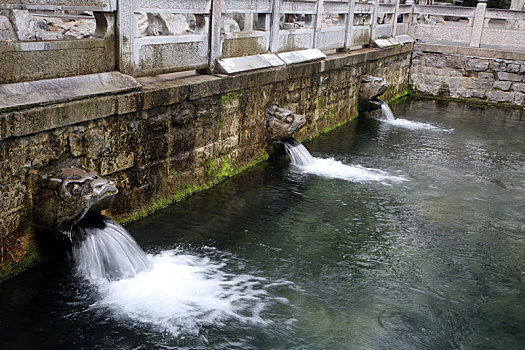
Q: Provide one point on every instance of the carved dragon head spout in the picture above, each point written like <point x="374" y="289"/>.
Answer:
<point x="67" y="195"/>
<point x="282" y="123"/>
<point x="369" y="92"/>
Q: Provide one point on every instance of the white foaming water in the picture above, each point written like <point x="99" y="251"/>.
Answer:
<point x="331" y="168"/>
<point x="172" y="291"/>
<point x="298" y="154"/>
<point x="387" y="112"/>
<point x="412" y="125"/>
<point x="108" y="252"/>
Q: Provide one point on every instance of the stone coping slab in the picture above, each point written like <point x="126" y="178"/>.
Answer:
<point x="294" y="57"/>
<point x="471" y="51"/>
<point x="248" y="63"/>
<point x="238" y="65"/>
<point x="383" y="43"/>
<point x="51" y="91"/>
<point x="404" y="39"/>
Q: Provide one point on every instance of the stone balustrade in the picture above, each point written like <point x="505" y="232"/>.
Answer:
<point x="155" y="37"/>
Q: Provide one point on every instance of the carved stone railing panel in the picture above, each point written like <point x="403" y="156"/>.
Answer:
<point x="385" y="21"/>
<point x="451" y="24"/>
<point x="165" y="36"/>
<point x="331" y="28"/>
<point x="362" y="23"/>
<point x="297" y="21"/>
<point x="81" y="5"/>
<point x="245" y="27"/>
<point x="507" y="24"/>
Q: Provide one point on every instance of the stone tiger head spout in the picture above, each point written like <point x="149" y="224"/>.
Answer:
<point x="369" y="92"/>
<point x="67" y="195"/>
<point x="282" y="123"/>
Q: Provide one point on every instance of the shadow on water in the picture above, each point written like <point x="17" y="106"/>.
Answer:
<point x="435" y="262"/>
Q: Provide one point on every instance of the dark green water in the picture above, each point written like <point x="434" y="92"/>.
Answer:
<point x="434" y="262"/>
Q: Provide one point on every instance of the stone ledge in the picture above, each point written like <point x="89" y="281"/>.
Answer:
<point x="248" y="63"/>
<point x="237" y="65"/>
<point x="31" y="118"/>
<point x="471" y="51"/>
<point x="24" y="95"/>
<point x="302" y="56"/>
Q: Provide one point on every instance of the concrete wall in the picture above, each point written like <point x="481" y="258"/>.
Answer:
<point x="462" y="72"/>
<point x="171" y="136"/>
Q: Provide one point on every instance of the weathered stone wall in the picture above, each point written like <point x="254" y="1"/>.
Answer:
<point x="173" y="136"/>
<point x="462" y="72"/>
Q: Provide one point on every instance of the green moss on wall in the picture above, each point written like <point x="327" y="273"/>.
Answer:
<point x="12" y="268"/>
<point x="332" y="127"/>
<point x="229" y="97"/>
<point x="223" y="172"/>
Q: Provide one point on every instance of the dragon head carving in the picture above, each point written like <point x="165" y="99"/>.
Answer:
<point x="282" y="123"/>
<point x="66" y="195"/>
<point x="370" y="90"/>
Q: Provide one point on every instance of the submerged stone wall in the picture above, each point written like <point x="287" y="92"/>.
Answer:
<point x="172" y="136"/>
<point x="463" y="72"/>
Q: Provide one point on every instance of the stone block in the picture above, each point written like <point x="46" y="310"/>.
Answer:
<point x="384" y="43"/>
<point x="509" y="76"/>
<point x="520" y="87"/>
<point x="502" y="85"/>
<point x="7" y="33"/>
<point x="24" y="23"/>
<point x="109" y="165"/>
<point x="478" y="93"/>
<point x="27" y="61"/>
<point x="405" y="39"/>
<point x="477" y="65"/>
<point x="52" y="91"/>
<point x="485" y="81"/>
<point x="519" y="99"/>
<point x="500" y="96"/>
<point x="301" y="56"/>
<point x="229" y="144"/>
<point x="248" y="63"/>
<point x="513" y="68"/>
<point x="497" y="66"/>
<point x="456" y="62"/>
<point x="435" y="60"/>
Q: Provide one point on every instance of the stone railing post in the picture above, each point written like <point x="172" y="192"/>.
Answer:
<point x="217" y="9"/>
<point x="411" y="18"/>
<point x="373" y="26"/>
<point x="318" y="21"/>
<point x="126" y="35"/>
<point x="479" y="20"/>
<point x="275" y="25"/>
<point x="394" y="21"/>
<point x="349" y="25"/>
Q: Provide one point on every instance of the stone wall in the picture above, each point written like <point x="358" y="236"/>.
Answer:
<point x="463" y="72"/>
<point x="172" y="136"/>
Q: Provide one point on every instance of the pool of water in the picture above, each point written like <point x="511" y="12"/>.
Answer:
<point x="427" y="251"/>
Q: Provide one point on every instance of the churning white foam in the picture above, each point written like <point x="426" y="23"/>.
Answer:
<point x="181" y="293"/>
<point x="173" y="291"/>
<point x="335" y="169"/>
<point x="413" y="125"/>
<point x="303" y="161"/>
